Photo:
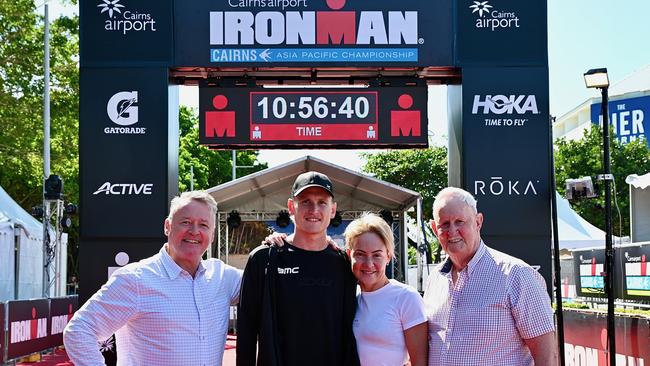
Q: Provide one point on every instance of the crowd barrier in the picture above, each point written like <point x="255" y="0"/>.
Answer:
<point x="30" y="326"/>
<point x="585" y="339"/>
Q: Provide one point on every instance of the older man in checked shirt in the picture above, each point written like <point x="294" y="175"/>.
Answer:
<point x="169" y="309"/>
<point x="485" y="307"/>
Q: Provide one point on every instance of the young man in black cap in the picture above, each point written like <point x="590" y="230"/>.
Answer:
<point x="297" y="301"/>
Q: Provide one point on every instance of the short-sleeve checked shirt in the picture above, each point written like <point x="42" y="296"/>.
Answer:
<point x="483" y="319"/>
<point x="159" y="313"/>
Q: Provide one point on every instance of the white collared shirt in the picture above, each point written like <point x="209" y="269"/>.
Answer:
<point x="484" y="317"/>
<point x="160" y="314"/>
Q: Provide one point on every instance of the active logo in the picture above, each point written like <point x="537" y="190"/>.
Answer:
<point x="122" y="20"/>
<point x="491" y="19"/>
<point x="124" y="189"/>
<point x="509" y="104"/>
<point x="122" y="109"/>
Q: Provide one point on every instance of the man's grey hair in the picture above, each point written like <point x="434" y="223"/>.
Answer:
<point x="186" y="197"/>
<point x="454" y="193"/>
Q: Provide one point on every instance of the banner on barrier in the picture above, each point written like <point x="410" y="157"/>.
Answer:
<point x="589" y="268"/>
<point x="271" y="33"/>
<point x="61" y="311"/>
<point x="585" y="337"/>
<point x="632" y="278"/>
<point x="28" y="323"/>
<point x="36" y="325"/>
<point x="635" y="271"/>
<point x="374" y="117"/>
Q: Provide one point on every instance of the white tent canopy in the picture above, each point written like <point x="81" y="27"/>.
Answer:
<point x="269" y="189"/>
<point x="639" y="206"/>
<point x="19" y="230"/>
<point x="574" y="231"/>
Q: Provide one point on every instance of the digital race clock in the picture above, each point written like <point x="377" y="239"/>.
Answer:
<point x="360" y="117"/>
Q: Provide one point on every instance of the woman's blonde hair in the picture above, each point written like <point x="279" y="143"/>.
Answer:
<point x="370" y="223"/>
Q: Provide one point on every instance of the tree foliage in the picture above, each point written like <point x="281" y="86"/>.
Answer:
<point x="210" y="167"/>
<point x="421" y="170"/>
<point x="21" y="106"/>
<point x="21" y="101"/>
<point x="584" y="157"/>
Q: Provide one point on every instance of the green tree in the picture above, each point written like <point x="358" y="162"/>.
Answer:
<point x="21" y="101"/>
<point x="21" y="106"/>
<point x="421" y="170"/>
<point x="584" y="157"/>
<point x="210" y="167"/>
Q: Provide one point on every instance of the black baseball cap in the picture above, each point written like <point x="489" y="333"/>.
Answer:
<point x="311" y="179"/>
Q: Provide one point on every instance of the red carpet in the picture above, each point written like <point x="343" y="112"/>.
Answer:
<point x="60" y="358"/>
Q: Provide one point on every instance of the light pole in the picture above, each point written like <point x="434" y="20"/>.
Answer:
<point x="597" y="78"/>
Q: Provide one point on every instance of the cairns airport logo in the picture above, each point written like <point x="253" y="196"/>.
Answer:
<point x="122" y="109"/>
<point x="121" y="19"/>
<point x="493" y="19"/>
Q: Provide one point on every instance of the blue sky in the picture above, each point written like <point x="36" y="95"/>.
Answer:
<point x="586" y="34"/>
<point x="582" y="34"/>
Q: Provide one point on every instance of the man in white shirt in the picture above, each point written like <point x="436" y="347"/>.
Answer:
<point x="485" y="307"/>
<point x="169" y="309"/>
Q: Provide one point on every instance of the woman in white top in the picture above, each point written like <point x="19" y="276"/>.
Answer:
<point x="390" y="325"/>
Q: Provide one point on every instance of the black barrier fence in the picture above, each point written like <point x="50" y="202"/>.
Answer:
<point x="586" y="339"/>
<point x="34" y="325"/>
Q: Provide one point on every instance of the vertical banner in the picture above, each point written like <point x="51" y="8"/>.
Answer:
<point x="128" y="133"/>
<point x="61" y="311"/>
<point x="28" y="327"/>
<point x="505" y="154"/>
<point x="123" y="32"/>
<point x="124" y="152"/>
<point x="501" y="32"/>
<point x="585" y="337"/>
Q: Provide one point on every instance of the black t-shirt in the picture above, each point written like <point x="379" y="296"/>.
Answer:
<point x="296" y="308"/>
<point x="310" y="287"/>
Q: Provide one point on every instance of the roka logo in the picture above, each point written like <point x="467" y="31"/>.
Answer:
<point x="497" y="187"/>
<point x="500" y="104"/>
<point x="124" y="189"/>
<point x="122" y="109"/>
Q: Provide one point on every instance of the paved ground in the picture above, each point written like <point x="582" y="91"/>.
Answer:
<point x="59" y="357"/>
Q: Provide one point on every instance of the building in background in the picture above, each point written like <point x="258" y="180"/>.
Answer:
<point x="629" y="110"/>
